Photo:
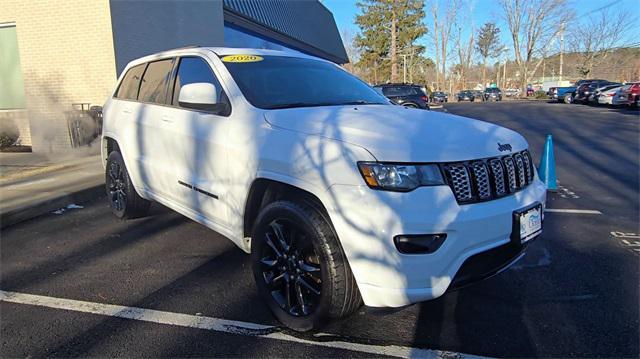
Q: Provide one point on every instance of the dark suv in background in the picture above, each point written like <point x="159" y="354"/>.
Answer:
<point x="440" y="97"/>
<point x="587" y="88"/>
<point x="408" y="95"/>
<point x="492" y="94"/>
<point x="466" y="95"/>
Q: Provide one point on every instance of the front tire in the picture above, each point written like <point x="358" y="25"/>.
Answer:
<point x="300" y="268"/>
<point x="123" y="199"/>
<point x="568" y="98"/>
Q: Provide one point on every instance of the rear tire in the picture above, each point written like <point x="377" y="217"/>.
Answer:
<point x="299" y="266"/>
<point x="123" y="199"/>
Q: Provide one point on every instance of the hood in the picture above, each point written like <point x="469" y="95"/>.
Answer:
<point x="395" y="133"/>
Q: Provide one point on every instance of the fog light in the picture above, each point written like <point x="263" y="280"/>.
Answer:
<point x="419" y="243"/>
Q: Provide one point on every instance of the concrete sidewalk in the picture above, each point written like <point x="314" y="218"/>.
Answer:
<point x="34" y="184"/>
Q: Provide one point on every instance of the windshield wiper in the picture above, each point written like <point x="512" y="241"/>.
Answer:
<point x="361" y="102"/>
<point x="316" y="104"/>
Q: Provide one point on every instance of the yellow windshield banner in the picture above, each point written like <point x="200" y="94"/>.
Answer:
<point x="242" y="58"/>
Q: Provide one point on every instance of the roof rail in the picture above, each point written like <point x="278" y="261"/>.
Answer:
<point x="398" y="84"/>
<point x="184" y="47"/>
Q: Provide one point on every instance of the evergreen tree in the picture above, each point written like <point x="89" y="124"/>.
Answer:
<point x="387" y="28"/>
<point x="488" y="45"/>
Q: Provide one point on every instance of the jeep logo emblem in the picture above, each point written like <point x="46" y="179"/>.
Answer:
<point x="505" y="147"/>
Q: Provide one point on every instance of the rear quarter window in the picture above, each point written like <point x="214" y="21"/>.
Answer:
<point x="128" y="89"/>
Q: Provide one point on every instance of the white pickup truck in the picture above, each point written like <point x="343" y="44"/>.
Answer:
<point x="341" y="197"/>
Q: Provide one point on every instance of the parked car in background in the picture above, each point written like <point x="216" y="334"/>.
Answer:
<point x="439" y="96"/>
<point x="569" y="95"/>
<point x="633" y="93"/>
<point x="477" y="93"/>
<point x="466" y="95"/>
<point x="512" y="92"/>
<point x="606" y="96"/>
<point x="593" y="98"/>
<point x="587" y="88"/>
<point x="408" y="95"/>
<point x="492" y="94"/>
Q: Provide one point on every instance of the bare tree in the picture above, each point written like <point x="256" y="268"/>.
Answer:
<point x="465" y="52"/>
<point x="595" y="38"/>
<point x="441" y="34"/>
<point x="353" y="52"/>
<point x="532" y="25"/>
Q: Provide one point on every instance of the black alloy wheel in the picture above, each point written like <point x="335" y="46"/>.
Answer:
<point x="299" y="266"/>
<point x="123" y="199"/>
<point x="290" y="268"/>
<point x="116" y="187"/>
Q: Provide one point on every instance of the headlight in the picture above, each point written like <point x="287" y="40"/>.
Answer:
<point x="400" y="177"/>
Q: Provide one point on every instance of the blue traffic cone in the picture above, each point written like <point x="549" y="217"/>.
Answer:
<point x="547" y="169"/>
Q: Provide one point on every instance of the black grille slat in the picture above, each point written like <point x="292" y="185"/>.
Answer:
<point x="491" y="178"/>
<point x="497" y="174"/>
<point x="481" y="179"/>
<point x="522" y="177"/>
<point x="460" y="182"/>
<point x="511" y="174"/>
<point x="528" y="164"/>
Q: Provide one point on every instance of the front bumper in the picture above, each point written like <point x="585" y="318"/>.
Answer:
<point x="367" y="220"/>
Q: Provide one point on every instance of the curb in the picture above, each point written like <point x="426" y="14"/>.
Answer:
<point x="43" y="207"/>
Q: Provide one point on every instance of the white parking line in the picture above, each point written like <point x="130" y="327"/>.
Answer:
<point x="575" y="211"/>
<point x="216" y="324"/>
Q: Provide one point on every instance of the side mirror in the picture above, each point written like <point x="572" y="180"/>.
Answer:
<point x="199" y="96"/>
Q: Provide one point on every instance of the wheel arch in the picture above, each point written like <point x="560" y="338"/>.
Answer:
<point x="264" y="191"/>
<point x="109" y="144"/>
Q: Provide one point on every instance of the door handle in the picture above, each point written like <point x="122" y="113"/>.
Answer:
<point x="167" y="119"/>
<point x="127" y="110"/>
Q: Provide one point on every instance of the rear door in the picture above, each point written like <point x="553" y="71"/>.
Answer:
<point x="124" y="110"/>
<point x="156" y="170"/>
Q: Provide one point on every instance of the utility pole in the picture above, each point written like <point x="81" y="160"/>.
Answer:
<point x="404" y="68"/>
<point x="561" y="50"/>
<point x="504" y="73"/>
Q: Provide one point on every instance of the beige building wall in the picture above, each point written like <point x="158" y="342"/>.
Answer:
<point x="67" y="56"/>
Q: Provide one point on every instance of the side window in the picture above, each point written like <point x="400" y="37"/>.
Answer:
<point x="128" y="89"/>
<point x="154" y="82"/>
<point x="196" y="69"/>
<point x="393" y="91"/>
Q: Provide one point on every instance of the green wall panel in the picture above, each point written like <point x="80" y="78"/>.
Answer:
<point x="11" y="83"/>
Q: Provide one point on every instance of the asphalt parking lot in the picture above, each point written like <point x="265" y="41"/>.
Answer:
<point x="575" y="293"/>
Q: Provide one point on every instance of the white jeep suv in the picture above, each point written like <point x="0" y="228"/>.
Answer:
<point x="340" y="196"/>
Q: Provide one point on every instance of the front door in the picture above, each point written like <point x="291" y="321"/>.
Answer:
<point x="196" y="139"/>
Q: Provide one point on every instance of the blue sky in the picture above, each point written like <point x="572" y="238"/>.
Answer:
<point x="344" y="11"/>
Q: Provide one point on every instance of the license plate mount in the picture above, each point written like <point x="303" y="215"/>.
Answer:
<point x="527" y="224"/>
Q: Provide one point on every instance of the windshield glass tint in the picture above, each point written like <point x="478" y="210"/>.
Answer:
<point x="283" y="82"/>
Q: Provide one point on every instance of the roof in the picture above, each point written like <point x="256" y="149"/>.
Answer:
<point x="398" y="84"/>
<point x="307" y="23"/>
<point x="220" y="51"/>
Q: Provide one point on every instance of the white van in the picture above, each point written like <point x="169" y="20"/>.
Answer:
<point x="341" y="197"/>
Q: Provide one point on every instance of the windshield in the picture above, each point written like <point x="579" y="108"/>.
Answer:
<point x="285" y="82"/>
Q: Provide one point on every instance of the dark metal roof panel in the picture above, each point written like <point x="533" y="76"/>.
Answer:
<point x="307" y="21"/>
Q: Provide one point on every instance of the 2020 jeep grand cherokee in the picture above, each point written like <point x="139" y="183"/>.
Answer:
<point x="339" y="196"/>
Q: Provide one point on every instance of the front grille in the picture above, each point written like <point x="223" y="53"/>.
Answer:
<point x="490" y="178"/>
